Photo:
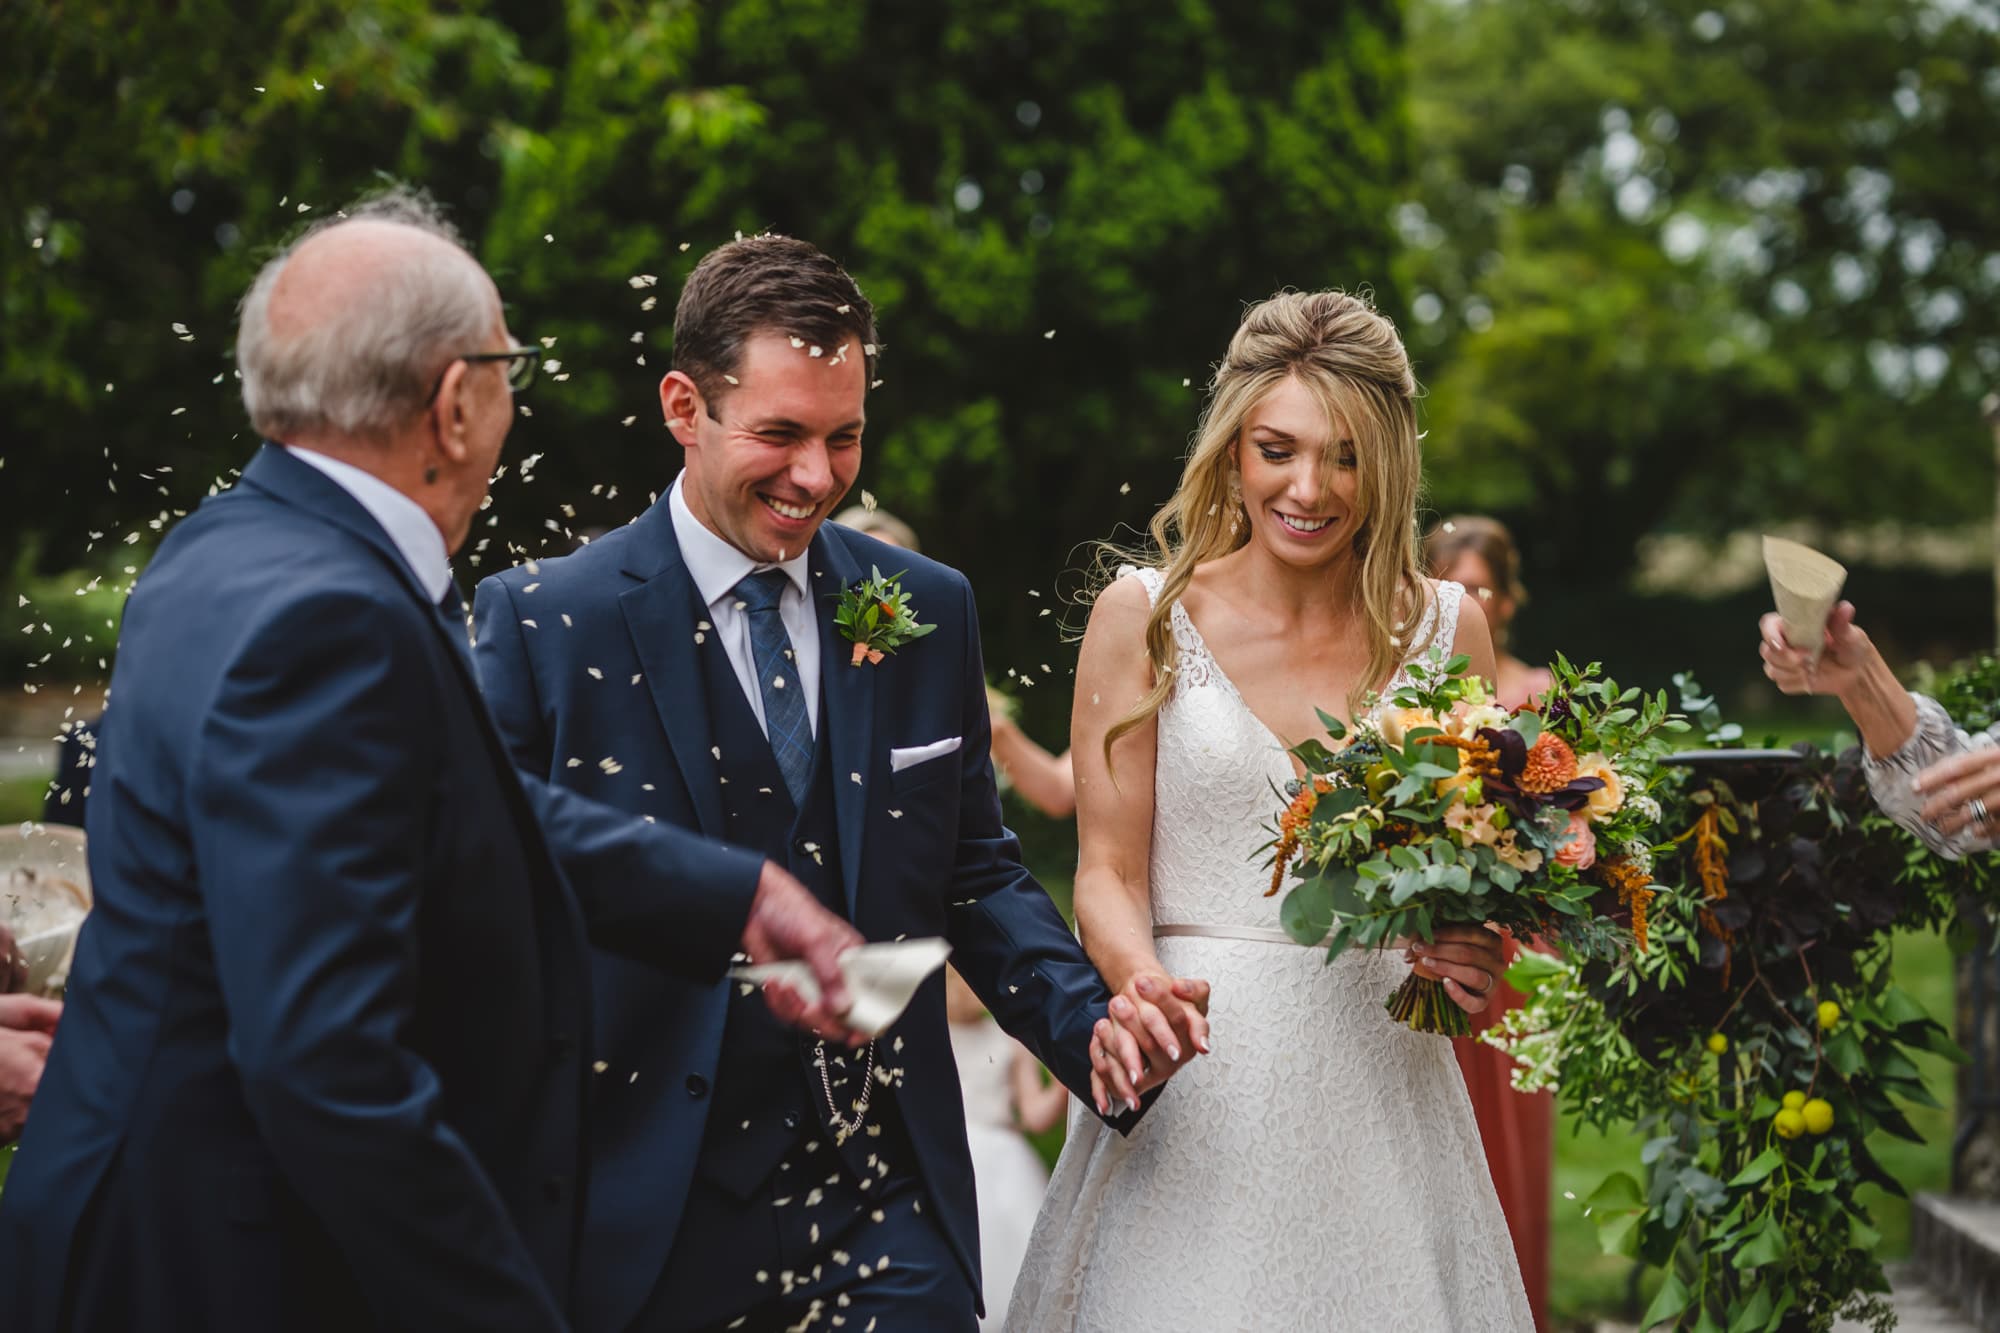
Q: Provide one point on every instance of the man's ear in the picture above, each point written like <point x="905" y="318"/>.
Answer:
<point x="447" y="417"/>
<point x="682" y="406"/>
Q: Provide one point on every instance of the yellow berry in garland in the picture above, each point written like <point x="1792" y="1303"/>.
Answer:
<point x="1789" y="1123"/>
<point x="1794" y="1100"/>
<point x="1818" y="1115"/>
<point x="1829" y="1014"/>
<point x="1717" y="1043"/>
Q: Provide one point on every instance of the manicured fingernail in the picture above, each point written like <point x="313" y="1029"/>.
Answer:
<point x="1134" y="1104"/>
<point x="1201" y="1044"/>
<point x="1135" y="1075"/>
<point x="1174" y="1054"/>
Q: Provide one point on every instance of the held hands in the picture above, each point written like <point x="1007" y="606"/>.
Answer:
<point x="1157" y="1024"/>
<point x="1843" y="659"/>
<point x="1469" y="960"/>
<point x="787" y="922"/>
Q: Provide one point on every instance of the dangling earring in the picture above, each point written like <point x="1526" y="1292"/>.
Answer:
<point x="1235" y="499"/>
<point x="430" y="476"/>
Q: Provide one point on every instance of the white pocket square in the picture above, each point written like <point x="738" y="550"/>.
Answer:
<point x="917" y="754"/>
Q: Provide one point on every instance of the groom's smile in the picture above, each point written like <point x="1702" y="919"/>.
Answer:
<point x="775" y="451"/>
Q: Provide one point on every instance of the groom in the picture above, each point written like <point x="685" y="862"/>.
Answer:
<point x="688" y="667"/>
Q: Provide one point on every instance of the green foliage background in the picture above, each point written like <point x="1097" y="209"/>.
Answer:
<point x="1058" y="206"/>
<point x="1665" y="265"/>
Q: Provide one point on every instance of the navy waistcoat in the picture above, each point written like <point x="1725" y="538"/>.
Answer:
<point x="768" y="1093"/>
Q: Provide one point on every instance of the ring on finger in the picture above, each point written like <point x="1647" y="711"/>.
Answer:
<point x="1978" y="809"/>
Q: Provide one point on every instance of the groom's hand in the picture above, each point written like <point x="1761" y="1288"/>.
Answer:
<point x="1468" y="959"/>
<point x="1158" y="1023"/>
<point x="787" y="922"/>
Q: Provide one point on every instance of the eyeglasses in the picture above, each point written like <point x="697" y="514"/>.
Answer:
<point x="521" y="364"/>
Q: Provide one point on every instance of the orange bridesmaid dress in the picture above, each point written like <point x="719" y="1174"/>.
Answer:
<point x="1518" y="1131"/>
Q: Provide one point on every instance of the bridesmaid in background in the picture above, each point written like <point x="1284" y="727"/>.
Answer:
<point x="1516" y="1129"/>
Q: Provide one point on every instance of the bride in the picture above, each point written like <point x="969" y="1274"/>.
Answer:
<point x="1319" y="1166"/>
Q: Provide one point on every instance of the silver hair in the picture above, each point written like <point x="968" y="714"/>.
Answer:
<point x="365" y="365"/>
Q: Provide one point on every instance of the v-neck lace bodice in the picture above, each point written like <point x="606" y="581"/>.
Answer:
<point x="1215" y="767"/>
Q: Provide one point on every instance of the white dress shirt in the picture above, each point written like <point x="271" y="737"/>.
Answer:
<point x="408" y="526"/>
<point x="717" y="567"/>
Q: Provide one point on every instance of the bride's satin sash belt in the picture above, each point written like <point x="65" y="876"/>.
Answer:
<point x="1253" y="934"/>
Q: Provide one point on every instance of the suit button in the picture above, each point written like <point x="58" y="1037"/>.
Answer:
<point x="791" y="1120"/>
<point x="554" y="1188"/>
<point x="697" y="1086"/>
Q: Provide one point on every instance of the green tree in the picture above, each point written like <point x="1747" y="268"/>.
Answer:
<point x="1116" y="174"/>
<point x="1687" y="264"/>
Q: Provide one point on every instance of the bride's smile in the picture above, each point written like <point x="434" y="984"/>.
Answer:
<point x="1298" y="477"/>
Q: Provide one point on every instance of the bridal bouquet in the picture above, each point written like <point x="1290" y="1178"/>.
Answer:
<point x="1439" y="808"/>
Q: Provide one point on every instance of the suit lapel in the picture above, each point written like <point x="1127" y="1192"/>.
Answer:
<point x="846" y="709"/>
<point x="664" y="614"/>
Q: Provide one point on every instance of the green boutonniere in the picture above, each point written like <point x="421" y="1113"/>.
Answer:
<point x="874" y="615"/>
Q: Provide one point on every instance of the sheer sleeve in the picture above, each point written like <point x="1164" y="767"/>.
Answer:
<point x="1889" y="778"/>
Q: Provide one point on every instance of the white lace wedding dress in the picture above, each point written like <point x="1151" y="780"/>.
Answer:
<point x="1320" y="1169"/>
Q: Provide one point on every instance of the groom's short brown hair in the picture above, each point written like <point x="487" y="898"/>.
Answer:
<point x="759" y="284"/>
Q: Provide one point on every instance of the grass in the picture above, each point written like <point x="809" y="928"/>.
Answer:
<point x="21" y="799"/>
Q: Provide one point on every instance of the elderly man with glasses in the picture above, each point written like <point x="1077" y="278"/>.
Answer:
<point x="328" y="1041"/>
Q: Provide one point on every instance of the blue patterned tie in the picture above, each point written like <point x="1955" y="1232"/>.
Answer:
<point x="777" y="677"/>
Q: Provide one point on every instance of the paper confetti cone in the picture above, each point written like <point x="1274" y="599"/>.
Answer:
<point x="1805" y="585"/>
<point x="881" y="979"/>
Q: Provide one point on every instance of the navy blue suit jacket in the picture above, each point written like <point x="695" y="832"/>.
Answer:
<point x="608" y="670"/>
<point x="323" y="1061"/>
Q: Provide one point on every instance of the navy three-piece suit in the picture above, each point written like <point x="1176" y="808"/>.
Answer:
<point x="325" y="1054"/>
<point x="605" y="654"/>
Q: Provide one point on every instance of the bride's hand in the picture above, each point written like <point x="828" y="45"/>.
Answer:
<point x="1158" y="1023"/>
<point x="1468" y="959"/>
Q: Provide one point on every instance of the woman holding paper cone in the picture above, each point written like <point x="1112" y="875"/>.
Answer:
<point x="1925" y="773"/>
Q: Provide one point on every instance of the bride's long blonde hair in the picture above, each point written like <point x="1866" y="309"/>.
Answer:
<point x="1350" y="358"/>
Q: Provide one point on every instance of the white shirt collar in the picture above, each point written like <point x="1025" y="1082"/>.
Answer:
<point x="408" y="526"/>
<point x="715" y="565"/>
